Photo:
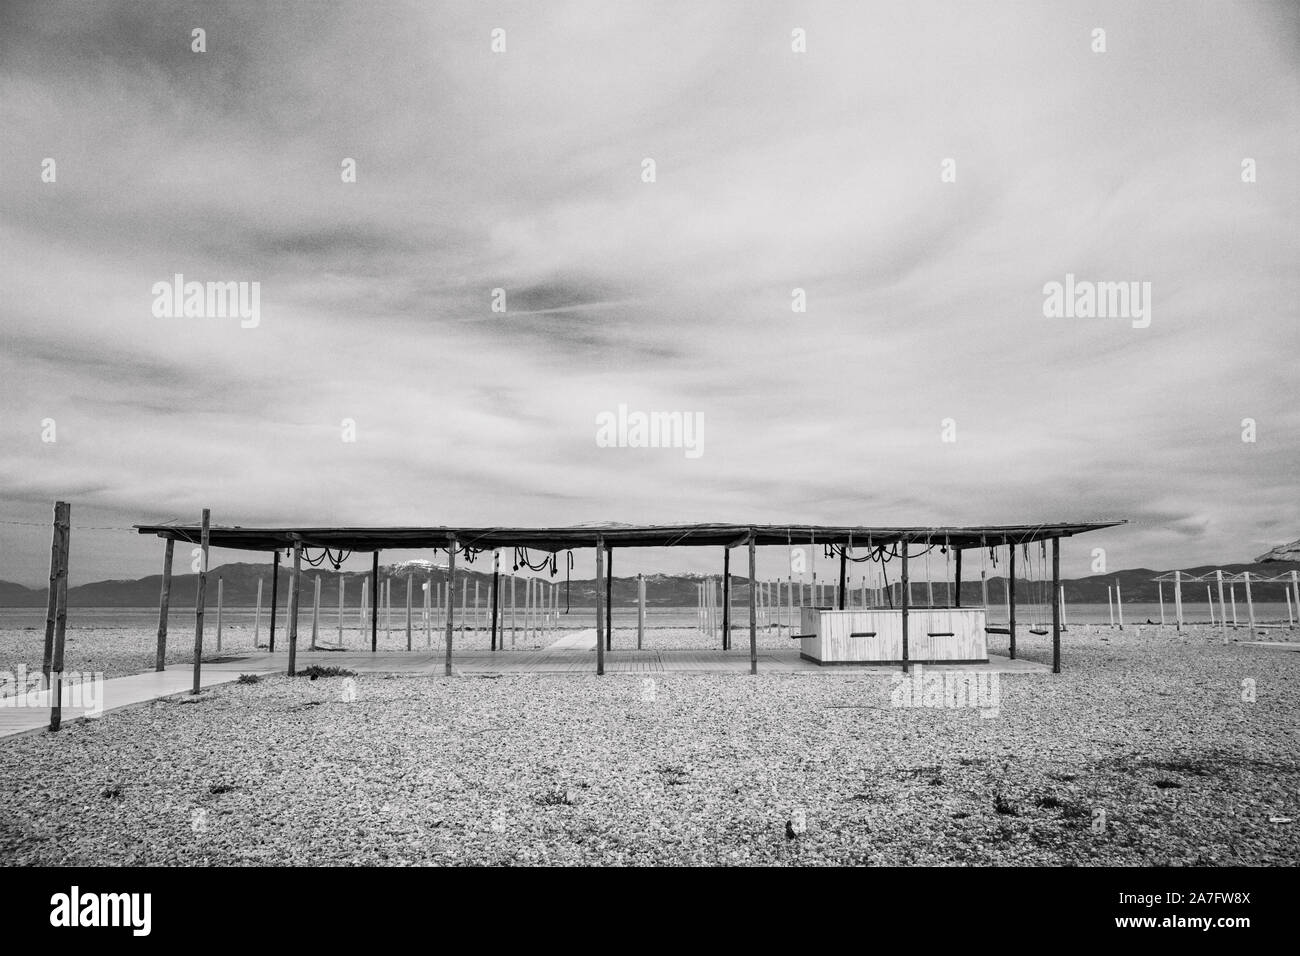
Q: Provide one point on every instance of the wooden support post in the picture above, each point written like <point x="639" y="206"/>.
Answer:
<point x="410" y="581"/>
<point x="342" y="603"/>
<point x="1232" y="597"/>
<point x="609" y="598"/>
<point x="374" y="603"/>
<point x="275" y="593"/>
<point x="464" y="602"/>
<point x="477" y="618"/>
<point x="295" y="597"/>
<point x="1295" y="593"/>
<point x="844" y="566"/>
<point x="1056" y="605"/>
<point x="753" y="602"/>
<point x="257" y="615"/>
<point x="1011" y="601"/>
<point x="905" y="601"/>
<point x="164" y="606"/>
<point x="496" y="588"/>
<point x="430" y="596"/>
<point x="388" y="609"/>
<point x="640" y="610"/>
<point x="600" y="621"/>
<point x="199" y="600"/>
<point x="1110" y="605"/>
<point x="1119" y="604"/>
<point x="52" y="593"/>
<point x="59" y="588"/>
<point x="451" y="577"/>
<point x="315" y="611"/>
<point x="726" y="599"/>
<point x="221" y="596"/>
<point x="984" y="590"/>
<point x="514" y="629"/>
<point x="1209" y="600"/>
<point x="1250" y="603"/>
<point x="956" y="591"/>
<point x="1178" y="600"/>
<point x="1160" y="595"/>
<point x="789" y="598"/>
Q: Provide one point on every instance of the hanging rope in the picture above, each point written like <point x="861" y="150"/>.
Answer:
<point x="334" y="559"/>
<point x="521" y="558"/>
<point x="568" y="574"/>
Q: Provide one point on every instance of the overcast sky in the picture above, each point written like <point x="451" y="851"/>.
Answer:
<point x="775" y="170"/>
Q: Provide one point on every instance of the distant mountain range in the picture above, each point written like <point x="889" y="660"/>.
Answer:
<point x="240" y="587"/>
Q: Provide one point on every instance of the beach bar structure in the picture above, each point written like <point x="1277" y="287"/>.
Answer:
<point x="898" y="635"/>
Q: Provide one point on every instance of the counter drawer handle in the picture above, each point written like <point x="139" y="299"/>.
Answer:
<point x="940" y="634"/>
<point x="863" y="634"/>
<point x="800" y="637"/>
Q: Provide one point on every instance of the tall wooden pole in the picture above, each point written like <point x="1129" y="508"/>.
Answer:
<point x="1160" y="595"/>
<point x="600" y="618"/>
<point x="496" y="595"/>
<point x="844" y="565"/>
<point x="164" y="606"/>
<point x="609" y="598"/>
<point x="52" y="595"/>
<point x="1056" y="606"/>
<point x="315" y="612"/>
<point x="199" y="599"/>
<point x="257" y="615"/>
<point x="640" y="610"/>
<point x="374" y="604"/>
<point x="409" y="580"/>
<point x="451" y="577"/>
<point x="275" y="592"/>
<point x="905" y="601"/>
<point x="342" y="586"/>
<point x="1250" y="603"/>
<point x="726" y="599"/>
<point x="1011" y="600"/>
<point x="221" y="598"/>
<point x="1178" y="600"/>
<point x="956" y="591"/>
<point x="63" y="530"/>
<point x="295" y="581"/>
<point x="753" y="601"/>
<point x="1223" y="615"/>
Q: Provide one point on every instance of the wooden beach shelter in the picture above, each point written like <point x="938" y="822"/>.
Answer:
<point x="892" y="626"/>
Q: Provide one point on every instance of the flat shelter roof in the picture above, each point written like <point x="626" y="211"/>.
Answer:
<point x="616" y="535"/>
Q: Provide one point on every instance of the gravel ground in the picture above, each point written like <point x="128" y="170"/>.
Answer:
<point x="1142" y="752"/>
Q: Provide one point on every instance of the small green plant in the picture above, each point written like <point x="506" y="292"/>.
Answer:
<point x="248" y="679"/>
<point x="315" y="671"/>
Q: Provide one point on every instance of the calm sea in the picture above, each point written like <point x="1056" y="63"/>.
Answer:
<point x="146" y="618"/>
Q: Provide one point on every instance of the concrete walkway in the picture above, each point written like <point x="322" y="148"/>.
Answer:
<point x="577" y="641"/>
<point x="117" y="692"/>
